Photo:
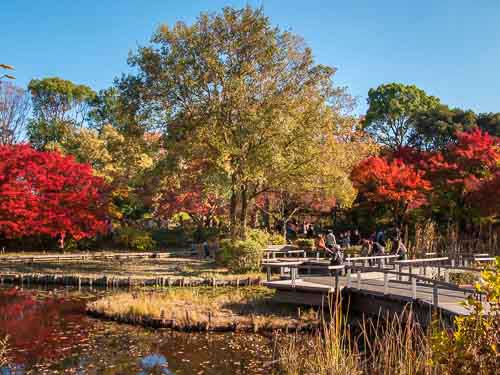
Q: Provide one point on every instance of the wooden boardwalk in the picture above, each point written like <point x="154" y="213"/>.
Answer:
<point x="372" y="288"/>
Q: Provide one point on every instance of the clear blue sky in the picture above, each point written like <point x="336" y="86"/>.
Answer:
<point x="450" y="48"/>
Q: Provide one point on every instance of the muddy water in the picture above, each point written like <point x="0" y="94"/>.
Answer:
<point x="49" y="333"/>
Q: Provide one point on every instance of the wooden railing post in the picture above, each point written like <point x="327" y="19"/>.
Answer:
<point x="348" y="283"/>
<point x="447" y="275"/>
<point x="398" y="270"/>
<point x="414" y="288"/>
<point x="386" y="283"/>
<point x="359" y="279"/>
<point x="268" y="269"/>
<point x="336" y="281"/>
<point x="435" y="296"/>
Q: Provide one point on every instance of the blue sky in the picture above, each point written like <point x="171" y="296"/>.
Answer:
<point x="449" y="48"/>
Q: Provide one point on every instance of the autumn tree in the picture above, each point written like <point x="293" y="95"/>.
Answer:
<point x="46" y="193"/>
<point x="398" y="186"/>
<point x="248" y="99"/>
<point x="14" y="112"/>
<point x="59" y="107"/>
<point x="392" y="108"/>
<point x="465" y="176"/>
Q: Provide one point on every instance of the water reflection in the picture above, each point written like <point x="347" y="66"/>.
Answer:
<point x="155" y="363"/>
<point x="50" y="334"/>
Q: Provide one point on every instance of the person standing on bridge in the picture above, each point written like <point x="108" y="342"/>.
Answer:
<point x="399" y="248"/>
<point x="331" y="242"/>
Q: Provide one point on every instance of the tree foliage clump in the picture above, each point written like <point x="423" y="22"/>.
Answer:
<point x="247" y="100"/>
<point x="46" y="193"/>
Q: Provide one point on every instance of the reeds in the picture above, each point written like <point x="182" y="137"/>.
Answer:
<point x="390" y="346"/>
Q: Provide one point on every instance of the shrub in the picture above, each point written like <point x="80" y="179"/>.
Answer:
<point x="223" y="256"/>
<point x="306" y="243"/>
<point x="240" y="256"/>
<point x="258" y="235"/>
<point x="165" y="238"/>
<point x="135" y="239"/>
<point x="473" y="347"/>
<point x="277" y="239"/>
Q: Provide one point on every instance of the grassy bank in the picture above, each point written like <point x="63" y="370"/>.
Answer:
<point x="222" y="309"/>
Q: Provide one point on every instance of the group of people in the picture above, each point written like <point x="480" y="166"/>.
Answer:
<point x="375" y="245"/>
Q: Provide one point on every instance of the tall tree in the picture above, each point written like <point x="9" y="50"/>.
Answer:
<point x="464" y="175"/>
<point x="247" y="99"/>
<point x="490" y="123"/>
<point x="392" y="107"/>
<point x="14" y="111"/>
<point x="48" y="193"/>
<point x="59" y="106"/>
<point x="437" y="127"/>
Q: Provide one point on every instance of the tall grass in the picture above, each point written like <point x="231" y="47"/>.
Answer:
<point x="4" y="351"/>
<point x="389" y="346"/>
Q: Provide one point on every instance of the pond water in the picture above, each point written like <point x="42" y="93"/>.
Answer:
<point x="49" y="333"/>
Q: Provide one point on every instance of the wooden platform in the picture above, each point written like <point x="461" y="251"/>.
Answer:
<point x="307" y="288"/>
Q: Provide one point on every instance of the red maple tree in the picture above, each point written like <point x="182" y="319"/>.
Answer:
<point x="468" y="173"/>
<point x="48" y="193"/>
<point x="398" y="185"/>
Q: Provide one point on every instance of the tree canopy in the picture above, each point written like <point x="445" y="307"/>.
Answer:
<point x="392" y="108"/>
<point x="248" y="100"/>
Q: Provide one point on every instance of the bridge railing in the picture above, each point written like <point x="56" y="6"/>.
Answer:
<point x="412" y="279"/>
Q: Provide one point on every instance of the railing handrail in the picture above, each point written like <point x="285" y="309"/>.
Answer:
<point x="374" y="257"/>
<point x="448" y="285"/>
<point x="421" y="260"/>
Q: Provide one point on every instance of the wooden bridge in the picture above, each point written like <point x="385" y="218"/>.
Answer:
<point x="376" y="284"/>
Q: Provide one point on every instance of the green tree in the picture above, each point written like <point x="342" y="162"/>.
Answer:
<point x="247" y="101"/>
<point x="59" y="107"/>
<point x="490" y="123"/>
<point x="392" y="108"/>
<point x="436" y="128"/>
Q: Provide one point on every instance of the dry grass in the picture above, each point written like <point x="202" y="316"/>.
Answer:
<point x="391" y="346"/>
<point x="4" y="352"/>
<point x="248" y="308"/>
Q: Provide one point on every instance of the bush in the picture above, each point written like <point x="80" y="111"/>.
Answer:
<point x="258" y="235"/>
<point x="277" y="239"/>
<point x="135" y="239"/>
<point x="240" y="256"/>
<point x="176" y="238"/>
<point x="473" y="347"/>
<point x="305" y="243"/>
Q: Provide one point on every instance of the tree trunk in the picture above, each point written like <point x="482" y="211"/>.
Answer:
<point x="243" y="214"/>
<point x="265" y="214"/>
<point x="233" y="206"/>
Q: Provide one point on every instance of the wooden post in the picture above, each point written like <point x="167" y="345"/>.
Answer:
<point x="447" y="275"/>
<point x="365" y="263"/>
<point x="386" y="283"/>
<point x="293" y="271"/>
<point x="336" y="281"/>
<point x="348" y="283"/>
<point x="435" y="296"/>
<point x="414" y="288"/>
<point x="453" y="263"/>
<point x="359" y="279"/>
<point x="398" y="270"/>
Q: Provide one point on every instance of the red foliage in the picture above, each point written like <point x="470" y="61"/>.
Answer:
<point x="470" y="168"/>
<point x="191" y="200"/>
<point x="48" y="193"/>
<point x="392" y="182"/>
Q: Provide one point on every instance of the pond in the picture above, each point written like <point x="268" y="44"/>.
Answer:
<point x="49" y="333"/>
